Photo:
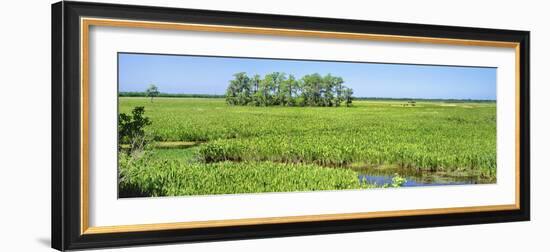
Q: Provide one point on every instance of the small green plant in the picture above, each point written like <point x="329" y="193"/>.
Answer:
<point x="398" y="181"/>
<point x="131" y="130"/>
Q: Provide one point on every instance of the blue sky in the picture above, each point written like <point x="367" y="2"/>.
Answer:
<point x="211" y="75"/>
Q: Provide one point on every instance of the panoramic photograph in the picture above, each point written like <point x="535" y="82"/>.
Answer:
<point x="209" y="125"/>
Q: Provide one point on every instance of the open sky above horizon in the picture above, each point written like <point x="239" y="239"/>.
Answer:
<point x="211" y="75"/>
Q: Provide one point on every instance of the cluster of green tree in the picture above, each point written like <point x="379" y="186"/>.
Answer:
<point x="278" y="88"/>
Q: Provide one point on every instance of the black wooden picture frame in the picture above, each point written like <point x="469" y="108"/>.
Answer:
<point x="66" y="126"/>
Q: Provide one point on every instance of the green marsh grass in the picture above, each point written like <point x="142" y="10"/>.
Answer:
<point x="155" y="176"/>
<point x="431" y="136"/>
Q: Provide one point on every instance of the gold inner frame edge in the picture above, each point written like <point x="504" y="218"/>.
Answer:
<point x="85" y="24"/>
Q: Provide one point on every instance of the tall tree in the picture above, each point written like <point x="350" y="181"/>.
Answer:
<point x="255" y="95"/>
<point x="238" y="91"/>
<point x="271" y="86"/>
<point x="348" y="92"/>
<point x="338" y="89"/>
<point x="231" y="93"/>
<point x="152" y="91"/>
<point x="288" y="91"/>
<point x="265" y="90"/>
<point x="278" y="81"/>
<point x="311" y="91"/>
<point x="327" y="90"/>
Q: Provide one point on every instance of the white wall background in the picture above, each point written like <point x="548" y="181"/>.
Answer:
<point x="25" y="124"/>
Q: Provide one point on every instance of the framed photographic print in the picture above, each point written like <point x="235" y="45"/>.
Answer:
<point x="181" y="125"/>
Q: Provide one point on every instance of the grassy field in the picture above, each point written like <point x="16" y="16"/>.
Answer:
<point x="205" y="146"/>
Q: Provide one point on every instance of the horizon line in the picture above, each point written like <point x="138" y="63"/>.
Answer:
<point x="356" y="97"/>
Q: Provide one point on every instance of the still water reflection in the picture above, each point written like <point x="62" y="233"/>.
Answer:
<point x="382" y="176"/>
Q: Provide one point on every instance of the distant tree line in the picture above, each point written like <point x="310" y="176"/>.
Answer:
<point x="450" y="100"/>
<point x="144" y="94"/>
<point x="278" y="88"/>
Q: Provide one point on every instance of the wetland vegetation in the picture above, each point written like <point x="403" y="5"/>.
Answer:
<point x="205" y="146"/>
